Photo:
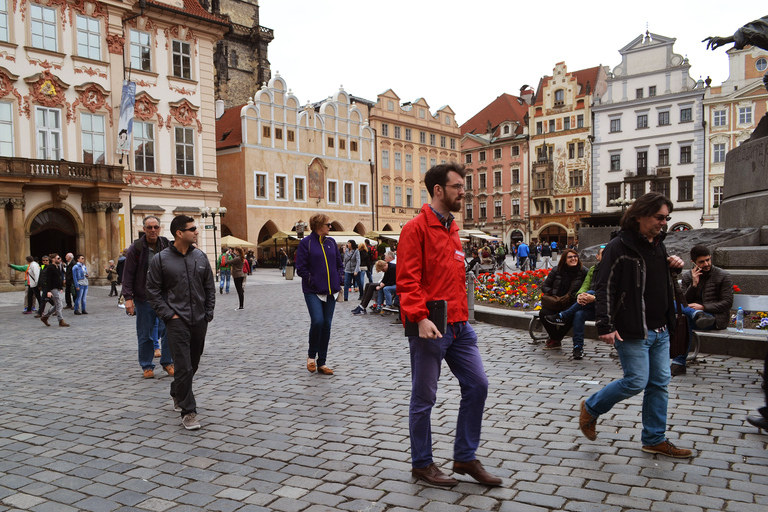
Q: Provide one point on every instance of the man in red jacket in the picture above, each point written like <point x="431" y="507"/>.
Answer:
<point x="431" y="267"/>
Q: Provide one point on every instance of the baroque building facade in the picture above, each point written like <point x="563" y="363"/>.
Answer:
<point x="241" y="56"/>
<point x="494" y="149"/>
<point x="409" y="141"/>
<point x="561" y="152"/>
<point x="280" y="162"/>
<point x="61" y="75"/>
<point x="649" y="134"/>
<point x="731" y="111"/>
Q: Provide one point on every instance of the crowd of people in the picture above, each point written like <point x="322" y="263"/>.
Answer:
<point x="632" y="294"/>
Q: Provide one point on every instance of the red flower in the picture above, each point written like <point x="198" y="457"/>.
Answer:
<point x="736" y="289"/>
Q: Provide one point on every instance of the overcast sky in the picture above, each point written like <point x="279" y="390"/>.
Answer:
<point x="465" y="54"/>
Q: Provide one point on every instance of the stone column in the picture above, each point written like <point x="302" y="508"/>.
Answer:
<point x="5" y="256"/>
<point x="114" y="231"/>
<point x="101" y="235"/>
<point x="17" y="247"/>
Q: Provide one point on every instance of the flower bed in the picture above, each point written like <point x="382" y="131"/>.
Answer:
<point x="520" y="290"/>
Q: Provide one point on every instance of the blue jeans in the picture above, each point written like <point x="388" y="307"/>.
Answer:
<point x="349" y="279"/>
<point x="385" y="294"/>
<point x="80" y="300"/>
<point x="459" y="349"/>
<point x="225" y="274"/>
<point x="320" y="319"/>
<point x="579" y="315"/>
<point x="690" y="313"/>
<point x="646" y="368"/>
<point x="360" y="279"/>
<point x="146" y="322"/>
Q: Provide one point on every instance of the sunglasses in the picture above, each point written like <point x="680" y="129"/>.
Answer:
<point x="151" y="227"/>
<point x="192" y="229"/>
<point x="659" y="217"/>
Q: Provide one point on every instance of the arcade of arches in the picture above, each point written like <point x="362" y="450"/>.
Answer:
<point x="554" y="233"/>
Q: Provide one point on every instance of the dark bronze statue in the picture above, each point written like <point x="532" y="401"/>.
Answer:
<point x="754" y="33"/>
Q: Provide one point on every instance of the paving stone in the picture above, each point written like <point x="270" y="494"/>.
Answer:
<point x="21" y="500"/>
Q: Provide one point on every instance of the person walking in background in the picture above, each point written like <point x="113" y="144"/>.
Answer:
<point x="283" y="261"/>
<point x="522" y="256"/>
<point x="319" y="264"/>
<point x="533" y="253"/>
<point x="182" y="291"/>
<point x="708" y="290"/>
<point x="112" y="278"/>
<point x="54" y="287"/>
<point x="561" y="283"/>
<point x="431" y="268"/>
<point x="138" y="257"/>
<point x="635" y="312"/>
<point x="225" y="271"/>
<point x="69" y="288"/>
<point x="351" y="267"/>
<point x="80" y="277"/>
<point x="365" y="268"/>
<point x="546" y="256"/>
<point x="32" y="276"/>
<point x="237" y="264"/>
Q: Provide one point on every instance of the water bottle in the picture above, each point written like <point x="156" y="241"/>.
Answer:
<point x="740" y="320"/>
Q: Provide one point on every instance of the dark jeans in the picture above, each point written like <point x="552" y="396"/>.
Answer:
<point x="69" y="294"/>
<point x="578" y="315"/>
<point x="187" y="343"/>
<point x="148" y="329"/>
<point x="320" y="318"/>
<point x="370" y="289"/>
<point x="556" y="332"/>
<point x="349" y="279"/>
<point x="33" y="294"/>
<point x="113" y="290"/>
<point x="690" y="313"/>
<point x="459" y="349"/>
<point x="240" y="291"/>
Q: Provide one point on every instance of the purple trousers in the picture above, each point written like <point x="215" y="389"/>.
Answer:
<point x="459" y="349"/>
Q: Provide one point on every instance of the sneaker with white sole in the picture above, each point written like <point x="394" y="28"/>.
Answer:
<point x="190" y="421"/>
<point x="176" y="406"/>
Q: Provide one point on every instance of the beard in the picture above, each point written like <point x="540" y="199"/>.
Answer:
<point x="453" y="206"/>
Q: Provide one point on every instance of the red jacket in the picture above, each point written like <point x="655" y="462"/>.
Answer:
<point x="430" y="266"/>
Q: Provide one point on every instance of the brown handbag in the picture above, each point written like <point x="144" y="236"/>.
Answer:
<point x="679" y="338"/>
<point x="555" y="303"/>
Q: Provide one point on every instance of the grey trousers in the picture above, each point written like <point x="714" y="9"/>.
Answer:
<point x="56" y="295"/>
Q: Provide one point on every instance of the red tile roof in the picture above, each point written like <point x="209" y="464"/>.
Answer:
<point x="582" y="77"/>
<point x="193" y="8"/>
<point x="504" y="108"/>
<point x="229" y="129"/>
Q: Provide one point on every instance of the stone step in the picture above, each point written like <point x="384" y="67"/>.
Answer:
<point x="751" y="282"/>
<point x="741" y="257"/>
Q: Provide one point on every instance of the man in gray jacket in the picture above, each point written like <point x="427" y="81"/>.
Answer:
<point x="181" y="290"/>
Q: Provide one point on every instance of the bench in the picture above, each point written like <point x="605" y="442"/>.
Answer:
<point x="752" y="303"/>
<point x="538" y="333"/>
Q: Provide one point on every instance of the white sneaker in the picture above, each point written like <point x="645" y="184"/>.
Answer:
<point x="190" y="421"/>
<point x="121" y="306"/>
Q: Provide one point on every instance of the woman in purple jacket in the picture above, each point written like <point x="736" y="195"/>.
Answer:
<point x="319" y="264"/>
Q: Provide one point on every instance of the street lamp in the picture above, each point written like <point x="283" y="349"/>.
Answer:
<point x="300" y="227"/>
<point x="213" y="212"/>
<point x="623" y="203"/>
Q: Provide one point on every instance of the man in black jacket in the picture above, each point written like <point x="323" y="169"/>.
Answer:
<point x="52" y="289"/>
<point x="181" y="290"/>
<point x="137" y="260"/>
<point x="634" y="311"/>
<point x="69" y="282"/>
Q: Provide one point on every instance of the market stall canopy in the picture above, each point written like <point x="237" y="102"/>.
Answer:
<point x="231" y="241"/>
<point x="280" y="238"/>
<point x="342" y="237"/>
<point x="468" y="233"/>
<point x="391" y="235"/>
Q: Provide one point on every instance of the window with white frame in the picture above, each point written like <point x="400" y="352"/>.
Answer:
<point x="397" y="132"/>
<point x="349" y="192"/>
<point x="616" y="162"/>
<point x="442" y="141"/>
<point x="260" y="185"/>
<point x="717" y="196"/>
<point x="616" y="125"/>
<point x="496" y="153"/>
<point x="559" y="97"/>
<point x="719" y="118"/>
<point x="48" y="129"/>
<point x="516" y="207"/>
<point x="424" y="196"/>
<point x="88" y="37"/>
<point x="497" y="208"/>
<point x="453" y="144"/>
<point x="516" y="176"/>
<point x="333" y="191"/>
<point x="141" y="50"/>
<point x="182" y="59"/>
<point x="432" y="162"/>
<point x="447" y="119"/>
<point x="398" y="196"/>
<point x="664" y="118"/>
<point x="422" y="164"/>
<point x="642" y="121"/>
<point x="144" y="146"/>
<point x="408" y="134"/>
<point x="42" y="22"/>
<point x="4" y="20"/>
<point x="580" y="150"/>
<point x="468" y="158"/>
<point x="686" y="115"/>
<point x="685" y="154"/>
<point x="551" y="126"/>
<point x="6" y="129"/>
<point x="432" y="139"/>
<point x="576" y="178"/>
<point x="281" y="187"/>
<point x="761" y="64"/>
<point x="298" y="188"/>
<point x="422" y="137"/>
<point x="497" y="178"/>
<point x="408" y="162"/>
<point x="185" y="150"/>
<point x="384" y="130"/>
<point x="580" y="121"/>
<point x="718" y="152"/>
<point x="408" y="197"/>
<point x="363" y="194"/>
<point x="468" y="214"/>
<point x="663" y="157"/>
<point x="397" y="161"/>
<point x="745" y="115"/>
<point x="652" y="90"/>
<point x="385" y="195"/>
<point x="385" y="159"/>
<point x="468" y="182"/>
<point x="482" y="183"/>
<point x="566" y="123"/>
<point x="483" y="210"/>
<point x="481" y="156"/>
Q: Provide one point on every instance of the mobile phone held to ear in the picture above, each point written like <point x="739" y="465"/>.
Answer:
<point x="438" y="314"/>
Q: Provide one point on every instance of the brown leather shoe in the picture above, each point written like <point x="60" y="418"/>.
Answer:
<point x="476" y="470"/>
<point x="169" y="369"/>
<point x="587" y="423"/>
<point x="668" y="449"/>
<point x="325" y="370"/>
<point x="62" y="323"/>
<point x="44" y="319"/>
<point x="149" y="374"/>
<point x="311" y="365"/>
<point x="434" y="476"/>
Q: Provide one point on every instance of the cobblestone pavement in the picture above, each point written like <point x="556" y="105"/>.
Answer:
<point x="81" y="430"/>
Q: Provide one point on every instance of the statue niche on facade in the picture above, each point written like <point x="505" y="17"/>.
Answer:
<point x="754" y="33"/>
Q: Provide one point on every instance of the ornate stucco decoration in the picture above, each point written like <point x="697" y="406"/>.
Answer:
<point x="132" y="179"/>
<point x="115" y="44"/>
<point x="93" y="97"/>
<point x="144" y="24"/>
<point x="146" y="108"/>
<point x="181" y="32"/>
<point x="185" y="114"/>
<point x="185" y="183"/>
<point x="47" y="90"/>
<point x="6" y="86"/>
<point x="87" y="8"/>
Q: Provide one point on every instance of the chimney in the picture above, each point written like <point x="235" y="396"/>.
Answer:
<point x="220" y="107"/>
<point x="527" y="96"/>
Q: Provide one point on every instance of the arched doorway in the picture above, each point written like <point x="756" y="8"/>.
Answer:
<point x="53" y="230"/>
<point x="554" y="233"/>
<point x="516" y="236"/>
<point x="359" y="229"/>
